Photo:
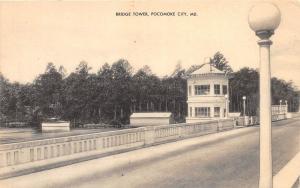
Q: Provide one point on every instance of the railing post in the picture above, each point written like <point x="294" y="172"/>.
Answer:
<point x="2" y="160"/>
<point x="149" y="135"/>
<point x="180" y="129"/>
<point x="234" y="123"/>
<point x="219" y="126"/>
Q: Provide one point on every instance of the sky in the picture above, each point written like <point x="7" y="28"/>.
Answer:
<point x="65" y="33"/>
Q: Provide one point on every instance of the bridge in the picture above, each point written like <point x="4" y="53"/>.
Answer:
<point x="213" y="154"/>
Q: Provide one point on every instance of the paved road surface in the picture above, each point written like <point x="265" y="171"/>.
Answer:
<point x="231" y="163"/>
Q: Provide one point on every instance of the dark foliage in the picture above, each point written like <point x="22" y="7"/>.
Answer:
<point x="115" y="92"/>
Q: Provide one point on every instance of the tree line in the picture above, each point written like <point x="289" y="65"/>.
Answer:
<point x="113" y="93"/>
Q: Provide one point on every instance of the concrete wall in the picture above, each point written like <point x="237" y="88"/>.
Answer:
<point x="55" y="126"/>
<point x="148" y="121"/>
<point x="289" y="175"/>
<point x="196" y="120"/>
<point x="254" y="120"/>
<point x="66" y="148"/>
<point x="293" y="114"/>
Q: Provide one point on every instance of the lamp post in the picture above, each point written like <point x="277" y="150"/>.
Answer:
<point x="244" y="111"/>
<point x="263" y="20"/>
<point x="280" y="106"/>
<point x="244" y="105"/>
<point x="226" y="106"/>
<point x="286" y="107"/>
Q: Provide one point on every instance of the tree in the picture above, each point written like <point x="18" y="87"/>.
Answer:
<point x="62" y="71"/>
<point x="83" y="68"/>
<point x="5" y="97"/>
<point x="121" y="96"/>
<point x="111" y="95"/>
<point x="244" y="83"/>
<point x="104" y="93"/>
<point x="49" y="91"/>
<point x="79" y="90"/>
<point x="145" y="90"/>
<point x="285" y="91"/>
<point x="16" y="101"/>
<point x="220" y="62"/>
<point x="178" y="71"/>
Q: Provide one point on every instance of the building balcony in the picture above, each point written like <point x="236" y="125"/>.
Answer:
<point x="207" y="98"/>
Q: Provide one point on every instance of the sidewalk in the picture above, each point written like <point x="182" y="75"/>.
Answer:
<point x="58" y="176"/>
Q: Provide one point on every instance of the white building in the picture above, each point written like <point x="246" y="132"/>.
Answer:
<point x="150" y="119"/>
<point x="207" y="90"/>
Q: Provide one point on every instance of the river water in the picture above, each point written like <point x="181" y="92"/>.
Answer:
<point x="14" y="135"/>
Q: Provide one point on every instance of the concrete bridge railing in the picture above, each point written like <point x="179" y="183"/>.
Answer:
<point x="289" y="175"/>
<point x="72" y="147"/>
<point x="254" y="120"/>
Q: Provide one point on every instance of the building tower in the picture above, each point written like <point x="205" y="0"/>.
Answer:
<point x="207" y="94"/>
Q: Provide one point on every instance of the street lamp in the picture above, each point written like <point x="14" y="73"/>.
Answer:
<point x="226" y="106"/>
<point x="244" y="113"/>
<point x="286" y="106"/>
<point x="263" y="20"/>
<point x="244" y="105"/>
<point x="280" y="106"/>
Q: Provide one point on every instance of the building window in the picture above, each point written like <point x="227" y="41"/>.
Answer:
<point x="202" y="90"/>
<point x="217" y="112"/>
<point x="224" y="89"/>
<point x="191" y="111"/>
<point x="217" y="89"/>
<point x="190" y="90"/>
<point x="202" y="112"/>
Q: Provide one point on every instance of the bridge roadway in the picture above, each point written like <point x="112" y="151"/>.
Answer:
<point x="231" y="161"/>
